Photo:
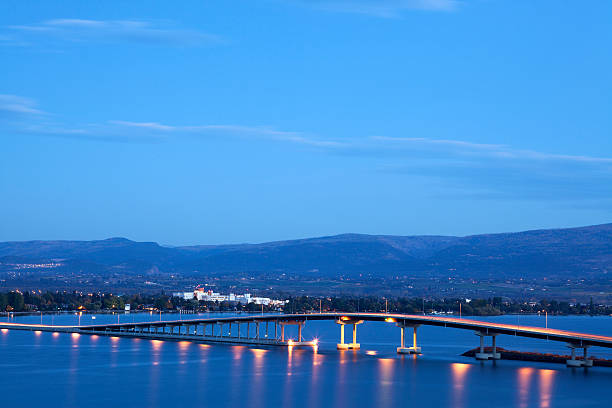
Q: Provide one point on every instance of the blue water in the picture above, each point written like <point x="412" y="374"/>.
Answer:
<point x="64" y="370"/>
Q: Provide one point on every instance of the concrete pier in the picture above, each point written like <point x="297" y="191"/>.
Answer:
<point x="573" y="362"/>
<point x="482" y="355"/>
<point x="348" y="346"/>
<point x="402" y="349"/>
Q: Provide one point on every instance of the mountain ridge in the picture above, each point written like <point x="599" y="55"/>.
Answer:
<point x="566" y="251"/>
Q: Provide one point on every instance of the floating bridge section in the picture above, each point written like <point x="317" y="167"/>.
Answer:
<point x="270" y="330"/>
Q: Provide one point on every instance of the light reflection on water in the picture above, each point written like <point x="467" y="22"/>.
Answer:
<point x="288" y="384"/>
<point x="547" y="378"/>
<point x="385" y="382"/>
<point x="256" y="383"/>
<point x="524" y="383"/>
<point x="459" y="373"/>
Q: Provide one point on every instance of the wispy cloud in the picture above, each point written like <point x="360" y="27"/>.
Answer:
<point x="13" y="104"/>
<point x="235" y="130"/>
<point x="454" y="167"/>
<point x="380" y="8"/>
<point x="499" y="151"/>
<point x="464" y="169"/>
<point x="143" y="125"/>
<point x="105" y="31"/>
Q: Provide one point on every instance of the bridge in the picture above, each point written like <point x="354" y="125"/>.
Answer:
<point x="270" y="330"/>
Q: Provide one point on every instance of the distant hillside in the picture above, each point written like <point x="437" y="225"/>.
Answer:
<point x="574" y="252"/>
<point x="570" y="251"/>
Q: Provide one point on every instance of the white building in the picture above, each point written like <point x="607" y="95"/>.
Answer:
<point x="210" y="296"/>
<point x="184" y="295"/>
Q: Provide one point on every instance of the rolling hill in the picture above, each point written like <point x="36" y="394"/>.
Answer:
<point x="572" y="252"/>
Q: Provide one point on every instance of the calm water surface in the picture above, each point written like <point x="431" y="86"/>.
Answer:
<point x="64" y="370"/>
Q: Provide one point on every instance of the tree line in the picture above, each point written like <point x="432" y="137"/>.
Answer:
<point x="472" y="307"/>
<point x="30" y="301"/>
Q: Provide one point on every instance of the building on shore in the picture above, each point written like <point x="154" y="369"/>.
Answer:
<point x="211" y="296"/>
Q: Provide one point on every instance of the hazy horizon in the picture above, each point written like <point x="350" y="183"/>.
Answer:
<point x="167" y="244"/>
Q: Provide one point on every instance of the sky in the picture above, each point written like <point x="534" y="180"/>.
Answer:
<point x="210" y="121"/>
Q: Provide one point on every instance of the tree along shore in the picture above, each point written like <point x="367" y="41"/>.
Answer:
<point x="30" y="301"/>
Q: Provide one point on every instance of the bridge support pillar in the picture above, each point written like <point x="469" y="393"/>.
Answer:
<point x="289" y="341"/>
<point x="573" y="362"/>
<point x="341" y="345"/>
<point x="408" y="350"/>
<point x="482" y="354"/>
<point x="346" y="346"/>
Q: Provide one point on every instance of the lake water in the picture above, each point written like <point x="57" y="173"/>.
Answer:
<point x="64" y="370"/>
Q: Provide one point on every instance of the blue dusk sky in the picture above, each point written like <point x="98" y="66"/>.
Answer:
<point x="216" y="121"/>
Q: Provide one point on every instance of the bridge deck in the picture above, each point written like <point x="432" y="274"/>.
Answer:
<point x="575" y="338"/>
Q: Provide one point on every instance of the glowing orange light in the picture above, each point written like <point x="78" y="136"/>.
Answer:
<point x="371" y="352"/>
<point x="459" y="371"/>
<point x="75" y="335"/>
<point x="55" y="334"/>
<point x="259" y="353"/>
<point x="524" y="376"/>
<point x="390" y="320"/>
<point x="460" y="368"/>
<point x="547" y="378"/>
<point x="290" y="342"/>
<point x="37" y="332"/>
<point x="4" y="330"/>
